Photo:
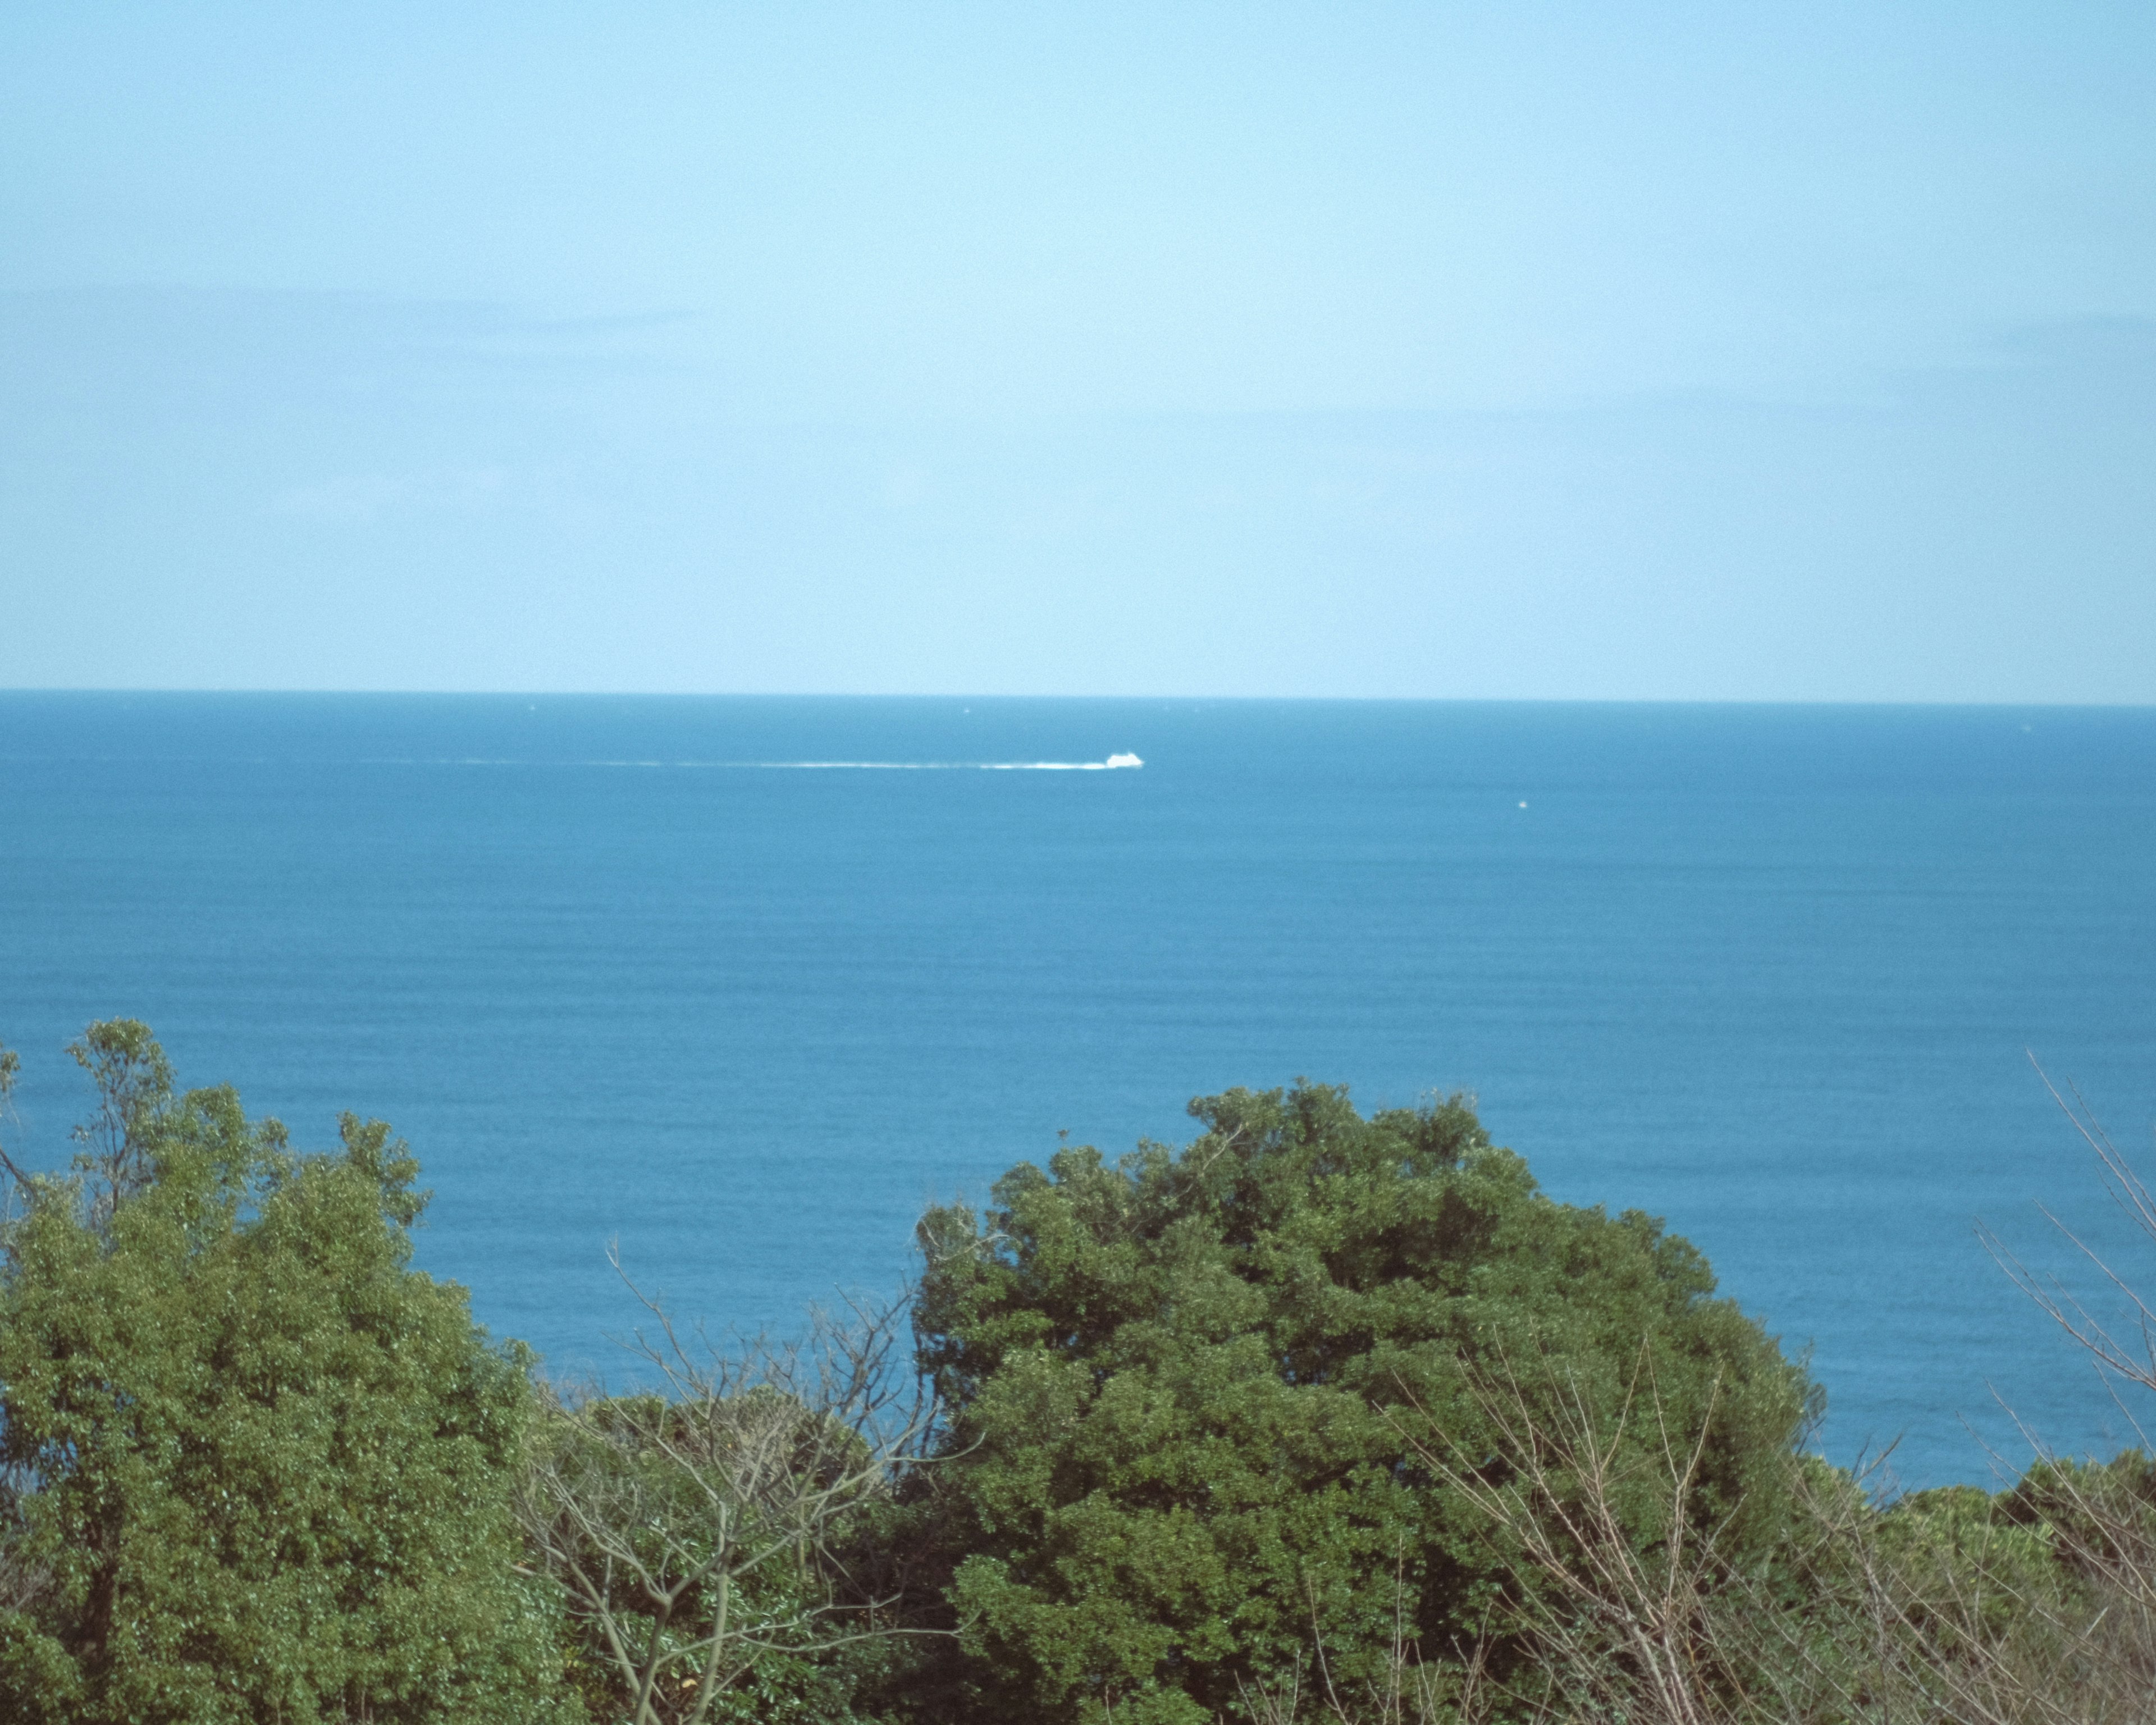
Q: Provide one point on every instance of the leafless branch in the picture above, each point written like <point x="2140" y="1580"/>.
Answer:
<point x="699" y="1526"/>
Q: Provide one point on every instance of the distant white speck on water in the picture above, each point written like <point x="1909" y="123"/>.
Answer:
<point x="859" y="897"/>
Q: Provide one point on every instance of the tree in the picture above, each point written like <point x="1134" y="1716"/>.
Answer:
<point x="700" y="1531"/>
<point x="258" y="1467"/>
<point x="1190" y="1400"/>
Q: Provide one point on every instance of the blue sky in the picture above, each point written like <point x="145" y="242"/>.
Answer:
<point x="1549" y="351"/>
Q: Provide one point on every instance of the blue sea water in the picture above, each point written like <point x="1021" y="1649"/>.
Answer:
<point x="1771" y="972"/>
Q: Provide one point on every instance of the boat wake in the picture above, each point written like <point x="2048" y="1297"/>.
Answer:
<point x="1114" y="763"/>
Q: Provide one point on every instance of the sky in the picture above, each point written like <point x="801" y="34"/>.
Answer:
<point x="1603" y="350"/>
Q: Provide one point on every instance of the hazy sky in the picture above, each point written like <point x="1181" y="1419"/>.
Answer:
<point x="1546" y="350"/>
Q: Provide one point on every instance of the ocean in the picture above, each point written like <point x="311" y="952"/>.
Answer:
<point x="667" y="972"/>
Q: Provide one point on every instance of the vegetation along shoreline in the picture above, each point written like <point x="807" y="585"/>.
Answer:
<point x="1317" y="1417"/>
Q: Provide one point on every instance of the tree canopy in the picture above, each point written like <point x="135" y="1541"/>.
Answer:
<point x="1190" y="1396"/>
<point x="257" y="1466"/>
<point x="1318" y="1416"/>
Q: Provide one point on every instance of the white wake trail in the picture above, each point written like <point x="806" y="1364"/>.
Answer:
<point x="1114" y="763"/>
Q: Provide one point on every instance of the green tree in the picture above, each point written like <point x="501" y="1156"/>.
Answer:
<point x="256" y="1467"/>
<point x="1189" y="1399"/>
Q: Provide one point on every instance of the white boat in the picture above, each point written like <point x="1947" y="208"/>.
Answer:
<point x="1125" y="761"/>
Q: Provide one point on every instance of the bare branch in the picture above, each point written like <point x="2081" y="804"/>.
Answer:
<point x="700" y="1527"/>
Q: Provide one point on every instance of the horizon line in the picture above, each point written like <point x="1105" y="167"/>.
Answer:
<point x="2053" y="704"/>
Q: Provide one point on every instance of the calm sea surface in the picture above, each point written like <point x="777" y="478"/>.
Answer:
<point x="1770" y="972"/>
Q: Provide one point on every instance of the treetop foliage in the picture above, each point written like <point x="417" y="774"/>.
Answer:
<point x="1184" y="1392"/>
<point x="1318" y="1416"/>
<point x="257" y="1466"/>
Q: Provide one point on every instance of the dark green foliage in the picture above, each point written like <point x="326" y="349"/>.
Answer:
<point x="259" y="1468"/>
<point x="2100" y="1514"/>
<point x="1277" y="1427"/>
<point x="1180" y="1392"/>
